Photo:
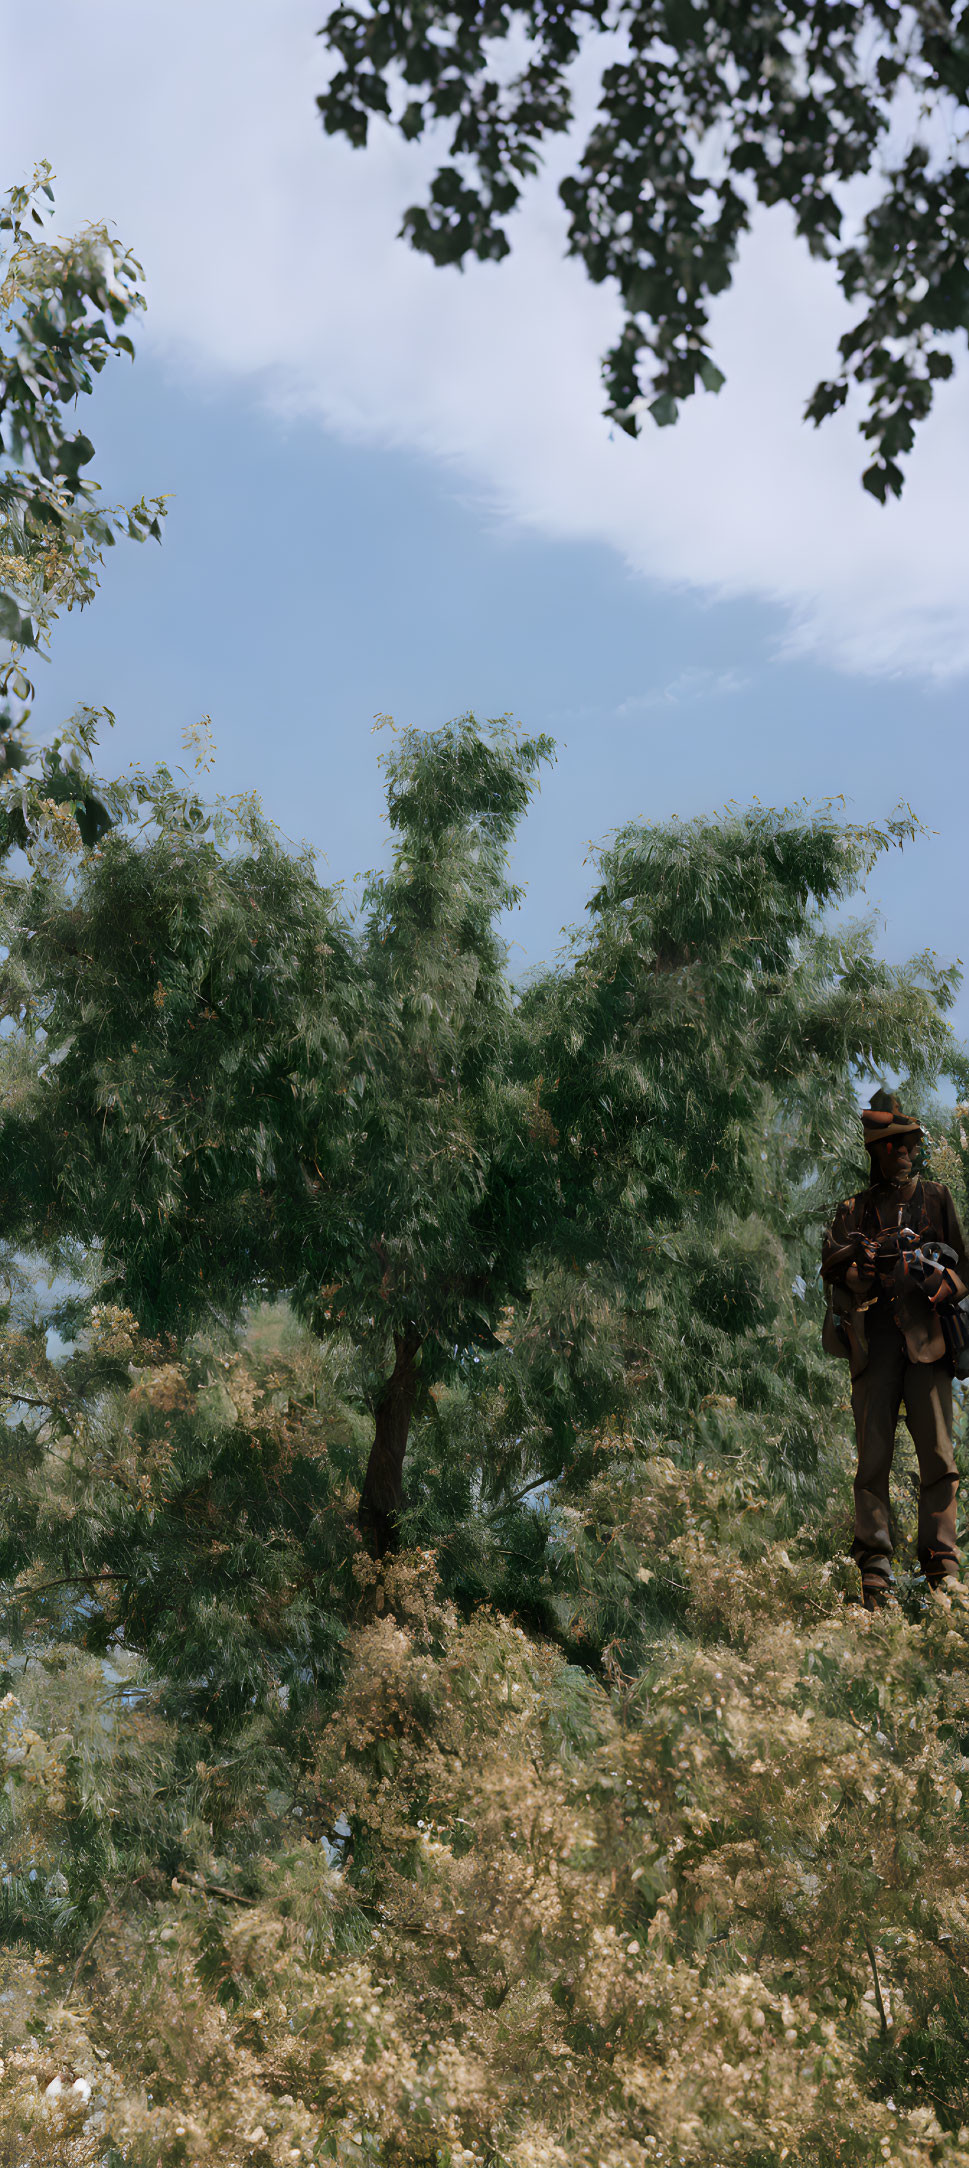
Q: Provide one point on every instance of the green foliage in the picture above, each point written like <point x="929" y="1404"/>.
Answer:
<point x="200" y="1519"/>
<point x="705" y="112"/>
<point x="65" y="306"/>
<point x="707" y="981"/>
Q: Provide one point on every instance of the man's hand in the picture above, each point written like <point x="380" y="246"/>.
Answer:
<point x="864" y="1264"/>
<point x="880" y="1253"/>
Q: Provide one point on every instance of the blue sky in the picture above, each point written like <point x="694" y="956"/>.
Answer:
<point x="391" y="492"/>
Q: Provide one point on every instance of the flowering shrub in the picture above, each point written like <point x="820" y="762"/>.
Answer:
<point x="666" y="1862"/>
<point x="716" y="1909"/>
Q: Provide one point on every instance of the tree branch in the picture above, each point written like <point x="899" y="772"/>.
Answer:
<point x="69" y="1580"/>
<point x="215" y="1889"/>
<point x="107" y="1914"/>
<point x="878" y="1985"/>
<point x="88" y="1947"/>
<point x="516" y="1498"/>
<point x="9" y="1392"/>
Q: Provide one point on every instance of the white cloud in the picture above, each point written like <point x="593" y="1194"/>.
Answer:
<point x="272" y="259"/>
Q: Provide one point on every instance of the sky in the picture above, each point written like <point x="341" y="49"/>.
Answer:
<point x="392" y="490"/>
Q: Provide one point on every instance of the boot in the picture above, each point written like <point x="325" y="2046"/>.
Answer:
<point x="877" y="1584"/>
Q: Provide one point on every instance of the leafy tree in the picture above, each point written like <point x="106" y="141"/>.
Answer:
<point x="65" y="306"/>
<point x="242" y="1093"/>
<point x="706" y="110"/>
<point x="441" y="1205"/>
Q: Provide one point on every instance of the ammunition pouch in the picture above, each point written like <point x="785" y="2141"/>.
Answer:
<point x="834" y="1338"/>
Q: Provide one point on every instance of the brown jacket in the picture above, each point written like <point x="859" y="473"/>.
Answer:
<point x="930" y="1214"/>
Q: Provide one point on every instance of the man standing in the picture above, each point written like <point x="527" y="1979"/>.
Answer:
<point x="894" y="1259"/>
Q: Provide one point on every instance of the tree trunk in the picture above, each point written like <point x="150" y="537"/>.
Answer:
<point x="382" y="1494"/>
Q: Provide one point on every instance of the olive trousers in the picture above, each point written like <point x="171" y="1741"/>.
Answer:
<point x="888" y="1382"/>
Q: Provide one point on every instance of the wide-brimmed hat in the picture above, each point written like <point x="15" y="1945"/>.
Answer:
<point x="884" y="1119"/>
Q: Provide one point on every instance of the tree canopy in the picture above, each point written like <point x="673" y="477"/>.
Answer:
<point x="852" y="116"/>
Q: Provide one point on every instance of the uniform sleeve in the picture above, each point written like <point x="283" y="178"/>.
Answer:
<point x="838" y="1249"/>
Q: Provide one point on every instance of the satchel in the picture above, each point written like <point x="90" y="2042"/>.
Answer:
<point x="935" y="1260"/>
<point x="954" y="1320"/>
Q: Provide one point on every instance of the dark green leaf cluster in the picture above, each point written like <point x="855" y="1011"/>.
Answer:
<point x="192" y="1010"/>
<point x="705" y="111"/>
<point x="443" y="1200"/>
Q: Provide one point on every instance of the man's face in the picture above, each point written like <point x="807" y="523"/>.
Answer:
<point x="896" y="1157"/>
